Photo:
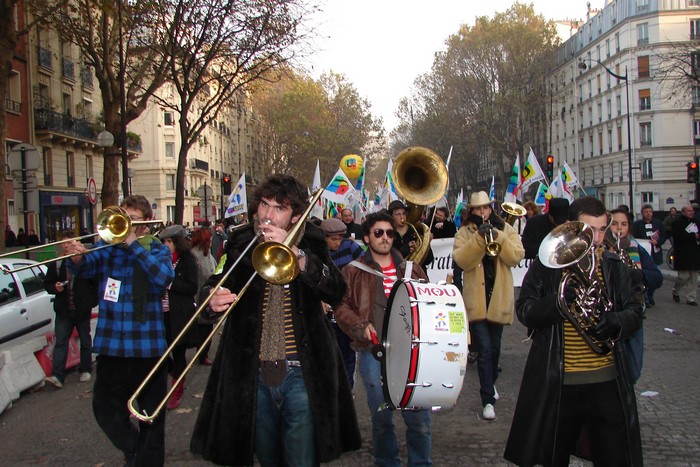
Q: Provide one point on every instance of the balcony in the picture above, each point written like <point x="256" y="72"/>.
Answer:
<point x="86" y="77"/>
<point x="198" y="164"/>
<point x="58" y="126"/>
<point x="68" y="69"/>
<point x="45" y="58"/>
<point x="13" y="106"/>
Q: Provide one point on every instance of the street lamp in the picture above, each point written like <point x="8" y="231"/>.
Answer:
<point x="582" y="66"/>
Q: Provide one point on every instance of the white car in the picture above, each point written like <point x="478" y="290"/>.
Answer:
<point x="26" y="309"/>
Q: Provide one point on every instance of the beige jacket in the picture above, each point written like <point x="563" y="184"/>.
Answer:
<point x="469" y="250"/>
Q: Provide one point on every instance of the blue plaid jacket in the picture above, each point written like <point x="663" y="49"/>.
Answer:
<point x="118" y="333"/>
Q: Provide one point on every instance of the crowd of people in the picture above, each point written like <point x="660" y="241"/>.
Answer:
<point x="280" y="389"/>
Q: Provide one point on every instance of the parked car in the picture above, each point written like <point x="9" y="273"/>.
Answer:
<point x="26" y="310"/>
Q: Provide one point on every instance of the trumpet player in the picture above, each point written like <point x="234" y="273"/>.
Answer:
<point x="487" y="287"/>
<point x="567" y="389"/>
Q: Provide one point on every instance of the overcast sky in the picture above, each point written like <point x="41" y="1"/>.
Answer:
<point x="381" y="46"/>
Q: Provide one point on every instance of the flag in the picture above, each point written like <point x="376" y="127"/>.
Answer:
<point x="449" y="156"/>
<point x="388" y="193"/>
<point x="317" y="210"/>
<point x="458" y="209"/>
<point x="237" y="200"/>
<point x="541" y="196"/>
<point x="531" y="173"/>
<point x="568" y="177"/>
<point x="558" y="190"/>
<point x="512" y="193"/>
<point x="361" y="179"/>
<point x="492" y="190"/>
<point x="340" y="190"/>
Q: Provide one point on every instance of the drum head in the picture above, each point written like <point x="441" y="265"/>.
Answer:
<point x="396" y="337"/>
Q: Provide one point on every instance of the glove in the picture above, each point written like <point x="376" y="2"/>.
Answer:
<point x="485" y="229"/>
<point x="608" y="327"/>
<point x="570" y="294"/>
<point x="497" y="221"/>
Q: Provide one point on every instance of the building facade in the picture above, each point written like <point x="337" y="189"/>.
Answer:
<point x="615" y="52"/>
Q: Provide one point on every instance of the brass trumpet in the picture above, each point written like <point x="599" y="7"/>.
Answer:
<point x="273" y="261"/>
<point x="113" y="226"/>
<point x="492" y="248"/>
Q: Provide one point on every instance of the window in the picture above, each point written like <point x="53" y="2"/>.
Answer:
<point x="619" y="138"/>
<point x="607" y="48"/>
<point x="645" y="134"/>
<point x="600" y="112"/>
<point x="642" y="6"/>
<point x="13" y="94"/>
<point x="170" y="150"/>
<point x="617" y="42"/>
<point x="610" y="143"/>
<point x="170" y="213"/>
<point x="642" y="34"/>
<point x="695" y="63"/>
<point x="696" y="96"/>
<point x="643" y="66"/>
<point x="619" y="170"/>
<point x="580" y="92"/>
<point x="86" y="111"/>
<point x="647" y="197"/>
<point x="694" y="29"/>
<point x="609" y="106"/>
<point x="44" y="97"/>
<point x="696" y="131"/>
<point x="618" y="103"/>
<point x="647" y="173"/>
<point x="590" y="116"/>
<point x="70" y="169"/>
<point x="610" y="170"/>
<point x="597" y="78"/>
<point x="590" y="142"/>
<point x="88" y="166"/>
<point x="168" y="119"/>
<point x="48" y="166"/>
<point x="170" y="182"/>
<point x="644" y="99"/>
<point x="600" y="143"/>
<point x="67" y="104"/>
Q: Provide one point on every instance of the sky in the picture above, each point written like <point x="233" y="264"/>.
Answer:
<point x="381" y="46"/>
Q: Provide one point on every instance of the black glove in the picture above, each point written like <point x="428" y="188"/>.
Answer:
<point x="485" y="229"/>
<point x="608" y="327"/>
<point x="570" y="294"/>
<point x="497" y="221"/>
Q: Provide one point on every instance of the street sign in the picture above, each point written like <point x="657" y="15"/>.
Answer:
<point x="92" y="191"/>
<point x="32" y="160"/>
<point x="32" y="200"/>
<point x="205" y="191"/>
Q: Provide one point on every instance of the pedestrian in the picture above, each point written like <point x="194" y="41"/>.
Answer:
<point x="218" y="238"/>
<point x="443" y="227"/>
<point x="651" y="229"/>
<point x="686" y="244"/>
<point x="33" y="238"/>
<point x="21" y="238"/>
<point x="10" y="237"/>
<point x="206" y="264"/>
<point x="352" y="229"/>
<point x="668" y="220"/>
<point x="568" y="390"/>
<point x="361" y="315"/>
<point x="342" y="251"/>
<point x="538" y="226"/>
<point x="179" y="305"/>
<point x="130" y="334"/>
<point x="73" y="304"/>
<point x="487" y="287"/>
<point x="277" y="391"/>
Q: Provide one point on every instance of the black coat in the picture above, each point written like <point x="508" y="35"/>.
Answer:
<point x="84" y="292"/>
<point x="225" y="429"/>
<point x="685" y="246"/>
<point x="531" y="439"/>
<point x="536" y="229"/>
<point x="182" y="293"/>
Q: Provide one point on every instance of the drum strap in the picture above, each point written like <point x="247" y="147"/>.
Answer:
<point x="364" y="267"/>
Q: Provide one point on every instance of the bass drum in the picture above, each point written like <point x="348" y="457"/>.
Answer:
<point x="425" y="336"/>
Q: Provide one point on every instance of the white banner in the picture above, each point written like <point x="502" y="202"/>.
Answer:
<point x="442" y="251"/>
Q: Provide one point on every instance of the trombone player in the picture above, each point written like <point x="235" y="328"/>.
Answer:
<point x="568" y="390"/>
<point x="278" y="387"/>
<point x="130" y="334"/>
<point x="487" y="249"/>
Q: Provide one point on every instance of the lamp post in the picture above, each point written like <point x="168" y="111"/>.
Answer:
<point x="582" y="66"/>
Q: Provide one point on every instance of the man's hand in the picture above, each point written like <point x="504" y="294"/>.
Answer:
<point x="221" y="300"/>
<point x="369" y="330"/>
<point x="412" y="246"/>
<point x="608" y="327"/>
<point x="74" y="248"/>
<point x="485" y="229"/>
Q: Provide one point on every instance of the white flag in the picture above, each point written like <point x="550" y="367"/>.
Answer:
<point x="340" y="190"/>
<point x="317" y="211"/>
<point x="237" y="200"/>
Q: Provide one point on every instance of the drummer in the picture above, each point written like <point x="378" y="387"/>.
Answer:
<point x="361" y="316"/>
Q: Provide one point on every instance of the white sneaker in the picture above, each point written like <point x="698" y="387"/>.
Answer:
<point x="85" y="377"/>
<point x="495" y="393"/>
<point x="489" y="413"/>
<point x="55" y="382"/>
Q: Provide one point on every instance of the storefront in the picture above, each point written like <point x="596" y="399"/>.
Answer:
<point x="64" y="210"/>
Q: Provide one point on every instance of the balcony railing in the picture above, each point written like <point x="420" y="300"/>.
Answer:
<point x="86" y="77"/>
<point x="13" y="106"/>
<point x="45" y="58"/>
<point x="199" y="164"/>
<point x="68" y="68"/>
<point x="48" y="120"/>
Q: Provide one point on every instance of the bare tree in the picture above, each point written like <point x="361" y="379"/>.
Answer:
<point x="677" y="70"/>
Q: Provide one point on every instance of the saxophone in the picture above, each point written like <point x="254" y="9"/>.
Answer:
<point x="570" y="247"/>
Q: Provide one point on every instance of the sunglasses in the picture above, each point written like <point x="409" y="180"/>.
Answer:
<point x="379" y="233"/>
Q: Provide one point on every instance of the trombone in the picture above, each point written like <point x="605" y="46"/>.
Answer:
<point x="275" y="262"/>
<point x="113" y="226"/>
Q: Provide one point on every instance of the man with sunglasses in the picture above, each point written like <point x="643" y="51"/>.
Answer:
<point x="361" y="316"/>
<point x="488" y="287"/>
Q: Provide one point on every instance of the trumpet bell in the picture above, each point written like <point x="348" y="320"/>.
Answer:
<point x="113" y="224"/>
<point x="566" y="245"/>
<point x="275" y="262"/>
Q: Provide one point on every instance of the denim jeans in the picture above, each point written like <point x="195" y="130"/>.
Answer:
<point x="487" y="339"/>
<point x="64" y="328"/>
<point x="284" y="427"/>
<point x="386" y="446"/>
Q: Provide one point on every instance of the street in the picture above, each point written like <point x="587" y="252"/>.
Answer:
<point x="56" y="427"/>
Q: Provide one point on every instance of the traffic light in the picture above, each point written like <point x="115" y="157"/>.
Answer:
<point x="226" y="184"/>
<point x="692" y="172"/>
<point x="550" y="167"/>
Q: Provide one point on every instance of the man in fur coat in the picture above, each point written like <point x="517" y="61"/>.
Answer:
<point x="277" y="388"/>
